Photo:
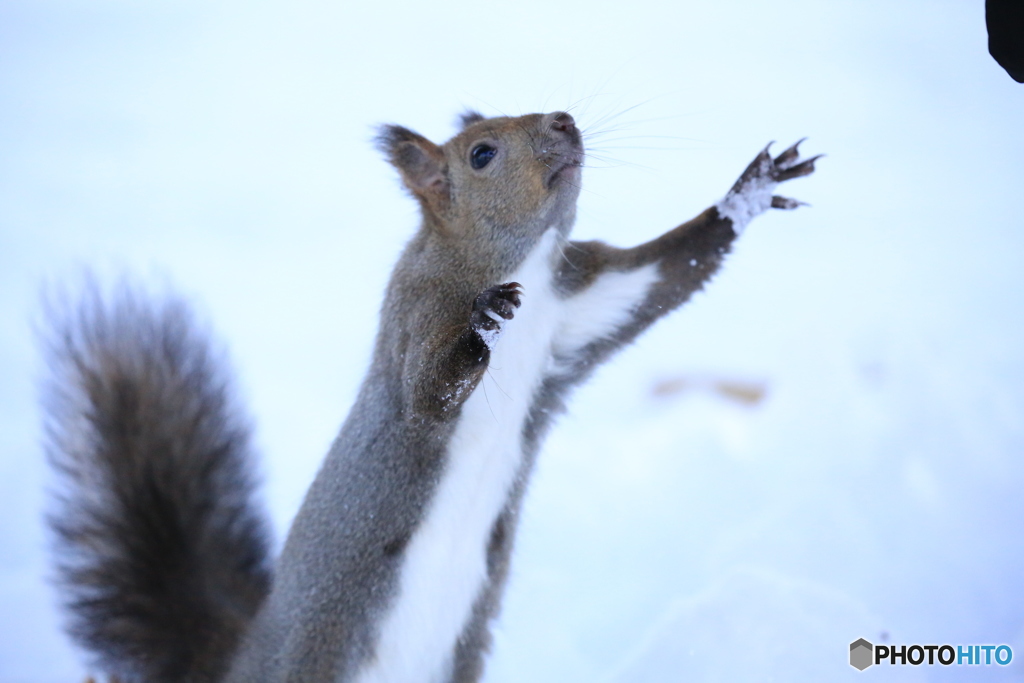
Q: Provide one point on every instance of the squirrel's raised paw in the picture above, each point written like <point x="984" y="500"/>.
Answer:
<point x="753" y="194"/>
<point x="788" y="165"/>
<point x="492" y="307"/>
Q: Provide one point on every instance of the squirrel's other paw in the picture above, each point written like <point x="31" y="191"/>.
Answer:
<point x="492" y="307"/>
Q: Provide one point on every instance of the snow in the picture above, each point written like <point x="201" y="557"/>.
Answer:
<point x="749" y="201"/>
<point x="673" y="530"/>
<point x="490" y="337"/>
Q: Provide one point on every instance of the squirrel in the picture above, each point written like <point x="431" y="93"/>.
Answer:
<point x="394" y="566"/>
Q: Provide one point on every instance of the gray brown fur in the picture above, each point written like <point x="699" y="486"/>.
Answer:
<point x="378" y="476"/>
<point x="339" y="568"/>
<point x="161" y="556"/>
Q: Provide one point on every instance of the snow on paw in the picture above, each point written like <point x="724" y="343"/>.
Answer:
<point x="753" y="193"/>
<point x="492" y="307"/>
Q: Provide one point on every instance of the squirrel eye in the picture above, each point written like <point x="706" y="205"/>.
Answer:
<point x="481" y="156"/>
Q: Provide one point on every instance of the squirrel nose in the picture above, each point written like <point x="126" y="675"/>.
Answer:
<point x="561" y="126"/>
<point x="563" y="122"/>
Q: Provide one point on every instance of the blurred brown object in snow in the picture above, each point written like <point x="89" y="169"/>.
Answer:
<point x="746" y="392"/>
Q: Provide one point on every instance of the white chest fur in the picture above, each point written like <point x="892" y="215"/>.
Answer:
<point x="445" y="563"/>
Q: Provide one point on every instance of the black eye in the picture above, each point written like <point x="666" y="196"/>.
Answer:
<point x="481" y="156"/>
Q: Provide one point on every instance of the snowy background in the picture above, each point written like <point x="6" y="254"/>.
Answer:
<point x="672" y="532"/>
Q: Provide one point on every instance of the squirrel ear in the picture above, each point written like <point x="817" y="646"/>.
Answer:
<point x="469" y="117"/>
<point x="421" y="163"/>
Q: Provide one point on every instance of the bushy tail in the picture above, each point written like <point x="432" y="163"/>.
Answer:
<point x="160" y="553"/>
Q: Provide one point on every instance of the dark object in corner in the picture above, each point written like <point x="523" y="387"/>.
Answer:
<point x="1005" y="21"/>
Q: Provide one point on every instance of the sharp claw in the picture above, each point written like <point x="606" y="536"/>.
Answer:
<point x="786" y="203"/>
<point x="803" y="168"/>
<point x="789" y="156"/>
<point x="786" y="166"/>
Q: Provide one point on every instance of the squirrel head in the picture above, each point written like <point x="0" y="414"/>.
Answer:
<point x="498" y="179"/>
